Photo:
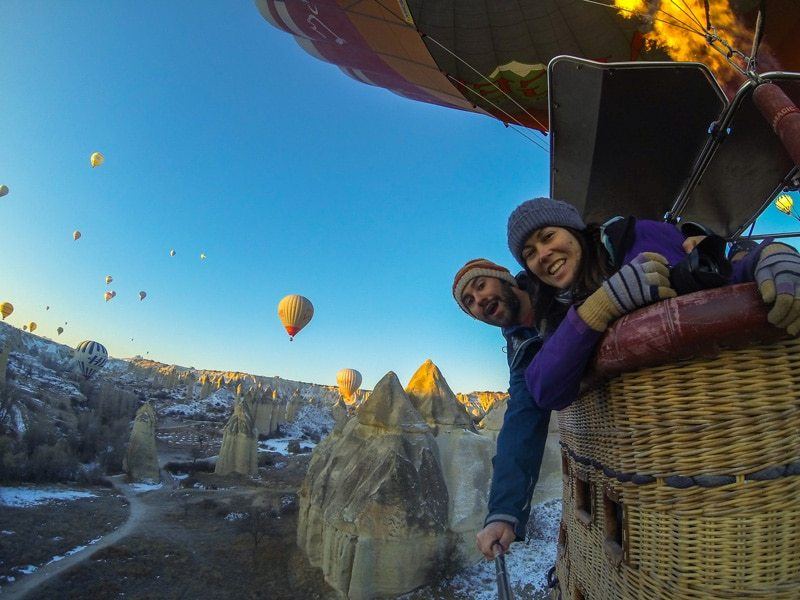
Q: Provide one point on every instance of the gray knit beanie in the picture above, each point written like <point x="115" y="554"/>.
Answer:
<point x="535" y="214"/>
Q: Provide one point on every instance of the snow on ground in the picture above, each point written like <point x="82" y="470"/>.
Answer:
<point x="75" y="550"/>
<point x="141" y="488"/>
<point x="527" y="563"/>
<point x="22" y="497"/>
<point x="219" y="403"/>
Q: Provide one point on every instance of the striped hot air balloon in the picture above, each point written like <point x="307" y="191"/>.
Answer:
<point x="91" y="357"/>
<point x="295" y="312"/>
<point x="6" y="308"/>
<point x="348" y="380"/>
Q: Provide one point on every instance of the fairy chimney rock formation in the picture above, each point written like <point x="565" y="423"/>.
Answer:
<point x="434" y="400"/>
<point x="374" y="504"/>
<point x="493" y="421"/>
<point x="141" y="459"/>
<point x="464" y="455"/>
<point x="239" y="451"/>
<point x="261" y="408"/>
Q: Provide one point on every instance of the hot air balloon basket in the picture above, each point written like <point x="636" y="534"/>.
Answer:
<point x="683" y="481"/>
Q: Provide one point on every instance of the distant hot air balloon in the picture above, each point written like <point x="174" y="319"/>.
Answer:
<point x="60" y="330"/>
<point x="785" y="203"/>
<point x="47" y="308"/>
<point x="295" y="312"/>
<point x="172" y="252"/>
<point x="24" y="328"/>
<point x="108" y="296"/>
<point x="31" y="326"/>
<point x="76" y="235"/>
<point x="109" y="279"/>
<point x="348" y="380"/>
<point x="203" y="256"/>
<point x="142" y="295"/>
<point x="90" y="357"/>
<point x="6" y="308"/>
<point x="96" y="159"/>
<point x="3" y="190"/>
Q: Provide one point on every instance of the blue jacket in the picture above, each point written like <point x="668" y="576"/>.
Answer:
<point x="520" y="445"/>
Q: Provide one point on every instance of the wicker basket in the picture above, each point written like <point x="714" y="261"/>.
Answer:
<point x="682" y="481"/>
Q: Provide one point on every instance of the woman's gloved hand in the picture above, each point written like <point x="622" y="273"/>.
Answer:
<point x="641" y="282"/>
<point x="778" y="278"/>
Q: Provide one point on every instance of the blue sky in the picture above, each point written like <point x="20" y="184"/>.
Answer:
<point x="222" y="136"/>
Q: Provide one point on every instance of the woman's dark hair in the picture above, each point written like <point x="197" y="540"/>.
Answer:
<point x="594" y="268"/>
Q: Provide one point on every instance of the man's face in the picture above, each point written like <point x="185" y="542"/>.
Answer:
<point x="492" y="301"/>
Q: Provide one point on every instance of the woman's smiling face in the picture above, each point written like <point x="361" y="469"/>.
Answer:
<point x="554" y="255"/>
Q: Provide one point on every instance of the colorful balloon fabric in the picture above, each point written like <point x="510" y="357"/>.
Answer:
<point x="348" y="380"/>
<point x="3" y="190"/>
<point x="109" y="295"/>
<point x="31" y="326"/>
<point x="784" y="203"/>
<point x="491" y="57"/>
<point x="76" y="235"/>
<point x="90" y="356"/>
<point x="295" y="312"/>
<point x="6" y="308"/>
<point x="109" y="279"/>
<point x="96" y="159"/>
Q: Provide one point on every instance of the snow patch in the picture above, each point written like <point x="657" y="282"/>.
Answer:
<point x="141" y="488"/>
<point x="235" y="516"/>
<point x="20" y="497"/>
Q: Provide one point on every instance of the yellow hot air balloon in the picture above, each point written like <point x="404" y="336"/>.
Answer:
<point x="3" y="190"/>
<point x="295" y="312"/>
<point x="6" y="308"/>
<point x="172" y="252"/>
<point x="96" y="159"/>
<point x="60" y="330"/>
<point x="109" y="279"/>
<point x="348" y="380"/>
<point x="784" y="203"/>
<point x="142" y="295"/>
<point x="76" y="234"/>
<point x="31" y="326"/>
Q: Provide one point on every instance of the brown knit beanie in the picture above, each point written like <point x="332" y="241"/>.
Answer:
<point x="478" y="267"/>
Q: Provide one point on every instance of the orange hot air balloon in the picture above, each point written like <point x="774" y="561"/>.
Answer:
<point x="348" y="380"/>
<point x="31" y="326"/>
<point x="6" y="308"/>
<point x="295" y="312"/>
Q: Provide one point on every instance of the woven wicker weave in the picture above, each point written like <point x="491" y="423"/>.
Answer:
<point x="698" y="464"/>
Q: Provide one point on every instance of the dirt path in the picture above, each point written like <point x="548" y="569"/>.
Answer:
<point x="138" y="511"/>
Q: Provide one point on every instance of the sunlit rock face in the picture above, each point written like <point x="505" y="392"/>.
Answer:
<point x="374" y="504"/>
<point x="491" y="424"/>
<point x="465" y="457"/>
<point x="394" y="496"/>
<point x="261" y="408"/>
<point x="141" y="460"/>
<point x="239" y="450"/>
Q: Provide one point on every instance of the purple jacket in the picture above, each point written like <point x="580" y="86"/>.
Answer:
<point x="554" y="375"/>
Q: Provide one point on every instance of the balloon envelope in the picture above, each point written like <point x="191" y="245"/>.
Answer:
<point x="784" y="203"/>
<point x="3" y="190"/>
<point x="172" y="252"/>
<point x="60" y="330"/>
<point x="76" y="234"/>
<point x="96" y="159"/>
<point x="6" y="308"/>
<point x="109" y="279"/>
<point x="31" y="326"/>
<point x="142" y="295"/>
<point x="203" y="256"/>
<point x="108" y="296"/>
<point x="24" y="328"/>
<point x="90" y="356"/>
<point x="490" y="57"/>
<point x="348" y="380"/>
<point x="295" y="312"/>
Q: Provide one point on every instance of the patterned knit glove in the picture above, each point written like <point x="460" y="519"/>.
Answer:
<point x="778" y="279"/>
<point x="641" y="282"/>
